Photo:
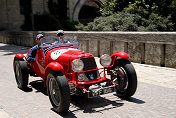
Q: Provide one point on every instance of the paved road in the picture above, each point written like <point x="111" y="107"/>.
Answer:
<point x="154" y="98"/>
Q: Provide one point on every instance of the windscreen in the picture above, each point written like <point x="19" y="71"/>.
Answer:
<point x="67" y="40"/>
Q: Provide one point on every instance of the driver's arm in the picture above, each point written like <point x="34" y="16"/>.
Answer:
<point x="32" y="54"/>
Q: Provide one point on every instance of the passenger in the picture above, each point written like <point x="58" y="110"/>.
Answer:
<point x="34" y="49"/>
<point x="60" y="36"/>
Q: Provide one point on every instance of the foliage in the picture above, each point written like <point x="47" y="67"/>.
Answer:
<point x="161" y="7"/>
<point x="149" y="10"/>
<point x="172" y="8"/>
<point x="158" y="23"/>
<point x="140" y="15"/>
<point x="116" y="22"/>
<point x="125" y="21"/>
<point x="110" y="7"/>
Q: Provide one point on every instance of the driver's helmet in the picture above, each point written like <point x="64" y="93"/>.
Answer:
<point x="60" y="33"/>
<point x="39" y="36"/>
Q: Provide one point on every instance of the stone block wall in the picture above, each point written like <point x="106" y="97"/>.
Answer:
<point x="11" y="19"/>
<point x="155" y="48"/>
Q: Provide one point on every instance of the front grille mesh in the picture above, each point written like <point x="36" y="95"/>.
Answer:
<point x="89" y="64"/>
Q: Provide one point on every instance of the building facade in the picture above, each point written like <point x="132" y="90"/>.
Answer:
<point x="13" y="12"/>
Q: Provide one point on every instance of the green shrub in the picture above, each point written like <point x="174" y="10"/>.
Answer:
<point x="129" y="20"/>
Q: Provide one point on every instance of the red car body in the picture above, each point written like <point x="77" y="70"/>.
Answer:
<point x="59" y="58"/>
<point x="44" y="64"/>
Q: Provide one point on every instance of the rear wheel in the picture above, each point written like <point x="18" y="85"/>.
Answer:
<point x="21" y="73"/>
<point x="124" y="75"/>
<point x="58" y="91"/>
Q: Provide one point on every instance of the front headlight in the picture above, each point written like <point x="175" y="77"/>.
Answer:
<point x="105" y="60"/>
<point x="77" y="65"/>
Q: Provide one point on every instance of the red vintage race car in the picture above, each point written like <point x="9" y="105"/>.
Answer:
<point x="67" y="71"/>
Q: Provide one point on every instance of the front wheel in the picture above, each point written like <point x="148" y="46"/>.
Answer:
<point x="124" y="75"/>
<point x="58" y="91"/>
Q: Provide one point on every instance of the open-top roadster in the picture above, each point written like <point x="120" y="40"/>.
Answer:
<point x="67" y="71"/>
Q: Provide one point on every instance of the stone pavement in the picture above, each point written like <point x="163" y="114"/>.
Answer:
<point x="160" y="76"/>
<point x="155" y="96"/>
<point x="3" y="114"/>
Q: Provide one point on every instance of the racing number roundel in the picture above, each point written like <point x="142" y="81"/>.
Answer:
<point x="55" y="54"/>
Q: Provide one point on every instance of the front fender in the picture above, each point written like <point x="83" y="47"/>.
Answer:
<point x="120" y="54"/>
<point x="115" y="55"/>
<point x="53" y="66"/>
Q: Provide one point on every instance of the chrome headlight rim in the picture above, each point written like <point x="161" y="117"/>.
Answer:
<point x="77" y="65"/>
<point x="105" y="60"/>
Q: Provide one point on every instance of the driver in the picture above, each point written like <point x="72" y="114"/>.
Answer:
<point x="34" y="49"/>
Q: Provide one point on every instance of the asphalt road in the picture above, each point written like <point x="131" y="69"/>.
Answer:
<point x="155" y="96"/>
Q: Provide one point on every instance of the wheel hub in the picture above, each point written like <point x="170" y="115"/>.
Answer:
<point x="54" y="91"/>
<point x="120" y="77"/>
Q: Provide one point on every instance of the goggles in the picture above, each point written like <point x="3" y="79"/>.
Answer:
<point x="60" y="34"/>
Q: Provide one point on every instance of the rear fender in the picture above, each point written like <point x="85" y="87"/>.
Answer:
<point x="19" y="56"/>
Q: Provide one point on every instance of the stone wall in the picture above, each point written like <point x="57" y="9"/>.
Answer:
<point x="155" y="48"/>
<point x="11" y="18"/>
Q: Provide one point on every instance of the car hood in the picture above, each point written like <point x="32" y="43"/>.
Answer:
<point x="66" y="55"/>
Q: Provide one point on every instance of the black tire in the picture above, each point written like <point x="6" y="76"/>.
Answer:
<point x="58" y="92"/>
<point x="124" y="75"/>
<point x="21" y="73"/>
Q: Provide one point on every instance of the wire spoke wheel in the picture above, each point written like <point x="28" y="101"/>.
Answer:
<point x="121" y="78"/>
<point x="124" y="74"/>
<point x="54" y="91"/>
<point x="58" y="91"/>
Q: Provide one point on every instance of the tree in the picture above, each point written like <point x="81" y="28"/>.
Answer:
<point x="110" y="7"/>
<point x="135" y="18"/>
<point x="139" y="15"/>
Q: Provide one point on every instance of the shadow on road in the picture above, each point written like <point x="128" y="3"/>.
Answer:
<point x="93" y="105"/>
<point x="13" y="49"/>
<point x="38" y="85"/>
<point x="134" y="100"/>
<point x="28" y="89"/>
<point x="96" y="104"/>
<point x="68" y="114"/>
<point x="82" y="103"/>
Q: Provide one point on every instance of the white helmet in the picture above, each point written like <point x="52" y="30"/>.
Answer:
<point x="39" y="36"/>
<point x="60" y="32"/>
